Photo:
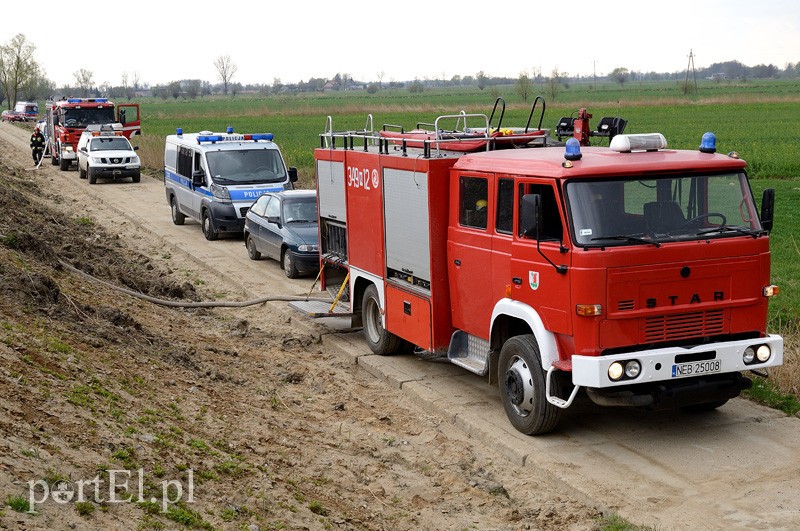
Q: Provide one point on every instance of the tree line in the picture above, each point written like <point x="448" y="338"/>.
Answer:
<point x="23" y="78"/>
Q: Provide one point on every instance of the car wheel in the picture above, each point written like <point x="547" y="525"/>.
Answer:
<point x="81" y="172"/>
<point x="208" y="227"/>
<point x="252" y="252"/>
<point x="137" y="177"/>
<point x="287" y="262"/>
<point x="522" y="387"/>
<point x="379" y="340"/>
<point x="177" y="217"/>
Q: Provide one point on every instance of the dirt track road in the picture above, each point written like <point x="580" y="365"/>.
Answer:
<point x="735" y="468"/>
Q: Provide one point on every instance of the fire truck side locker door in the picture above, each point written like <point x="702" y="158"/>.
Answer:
<point x="408" y="315"/>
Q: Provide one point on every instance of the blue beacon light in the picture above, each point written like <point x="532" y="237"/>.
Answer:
<point x="229" y="130"/>
<point x="573" y="150"/>
<point x="709" y="143"/>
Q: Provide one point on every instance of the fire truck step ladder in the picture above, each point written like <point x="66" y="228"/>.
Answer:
<point x="317" y="309"/>
<point x="469" y="352"/>
<point x="557" y="401"/>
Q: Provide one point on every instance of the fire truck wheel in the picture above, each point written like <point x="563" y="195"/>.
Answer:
<point x="177" y="217"/>
<point x="287" y="262"/>
<point x="208" y="227"/>
<point x="380" y="341"/>
<point x="522" y="387"/>
<point x="252" y="252"/>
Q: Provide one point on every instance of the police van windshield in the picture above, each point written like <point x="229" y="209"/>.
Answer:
<point x="652" y="210"/>
<point x="84" y="117"/>
<point x="246" y="166"/>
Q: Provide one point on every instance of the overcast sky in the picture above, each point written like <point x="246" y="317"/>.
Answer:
<point x="298" y="39"/>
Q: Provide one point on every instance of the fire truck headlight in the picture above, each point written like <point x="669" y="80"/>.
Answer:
<point x="763" y="353"/>
<point x="749" y="355"/>
<point x="632" y="369"/>
<point x="615" y="371"/>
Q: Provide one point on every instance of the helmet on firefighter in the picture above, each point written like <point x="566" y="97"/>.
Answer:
<point x="36" y="129"/>
<point x="481" y="204"/>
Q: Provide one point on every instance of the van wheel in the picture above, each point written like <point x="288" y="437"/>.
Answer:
<point x="380" y="341"/>
<point x="208" y="227"/>
<point x="252" y="252"/>
<point x="177" y="217"/>
<point x="522" y="387"/>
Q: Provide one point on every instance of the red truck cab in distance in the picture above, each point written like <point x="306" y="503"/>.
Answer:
<point x="636" y="273"/>
<point x="67" y="119"/>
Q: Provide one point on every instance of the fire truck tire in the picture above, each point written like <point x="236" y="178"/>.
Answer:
<point x="208" y="227"/>
<point x="380" y="341"/>
<point x="63" y="165"/>
<point x="287" y="263"/>
<point x="252" y="252"/>
<point x="177" y="217"/>
<point x="522" y="387"/>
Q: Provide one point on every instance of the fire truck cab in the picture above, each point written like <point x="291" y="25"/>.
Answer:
<point x="636" y="273"/>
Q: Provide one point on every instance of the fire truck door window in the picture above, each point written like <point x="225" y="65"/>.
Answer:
<point x="505" y="206"/>
<point x="552" y="228"/>
<point x="473" y="202"/>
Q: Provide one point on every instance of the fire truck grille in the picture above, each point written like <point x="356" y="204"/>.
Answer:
<point x="683" y="326"/>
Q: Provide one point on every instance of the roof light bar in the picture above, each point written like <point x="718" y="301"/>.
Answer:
<point x="207" y="136"/>
<point x="641" y="142"/>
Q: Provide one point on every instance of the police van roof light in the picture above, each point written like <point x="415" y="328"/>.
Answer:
<point x="210" y="138"/>
<point x="640" y="142"/>
<point x="101" y="100"/>
<point x="179" y="131"/>
<point x="708" y="144"/>
<point x="229" y="130"/>
<point x="261" y="136"/>
<point x="74" y="100"/>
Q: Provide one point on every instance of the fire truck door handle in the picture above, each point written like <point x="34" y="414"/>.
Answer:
<point x="517" y="281"/>
<point x="457" y="262"/>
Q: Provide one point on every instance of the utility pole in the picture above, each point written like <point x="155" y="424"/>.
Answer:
<point x="694" y="74"/>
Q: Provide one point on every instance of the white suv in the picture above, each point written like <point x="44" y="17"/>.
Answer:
<point x="107" y="155"/>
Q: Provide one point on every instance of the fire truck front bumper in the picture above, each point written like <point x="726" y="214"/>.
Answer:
<point x="676" y="364"/>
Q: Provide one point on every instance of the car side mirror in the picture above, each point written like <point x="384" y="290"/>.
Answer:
<point x="198" y="178"/>
<point x="136" y="148"/>
<point x="274" y="219"/>
<point x="292" y="174"/>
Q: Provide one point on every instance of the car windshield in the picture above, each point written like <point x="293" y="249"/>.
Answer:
<point x="300" y="210"/>
<point x="246" y="166"/>
<point x="110" y="144"/>
<point x="84" y="117"/>
<point x="650" y="210"/>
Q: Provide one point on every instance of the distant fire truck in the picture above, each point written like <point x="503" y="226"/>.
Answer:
<point x="636" y="273"/>
<point x="67" y="119"/>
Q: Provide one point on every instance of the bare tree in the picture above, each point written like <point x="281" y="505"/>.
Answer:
<point x="226" y="69"/>
<point x="85" y="80"/>
<point x="17" y="66"/>
<point x="524" y="86"/>
<point x="553" y="84"/>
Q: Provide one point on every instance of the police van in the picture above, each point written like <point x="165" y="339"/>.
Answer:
<point x="214" y="178"/>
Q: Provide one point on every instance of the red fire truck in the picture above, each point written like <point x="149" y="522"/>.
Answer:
<point x="637" y="274"/>
<point x="67" y="119"/>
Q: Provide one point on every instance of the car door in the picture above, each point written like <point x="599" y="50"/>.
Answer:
<point x="272" y="229"/>
<point x="255" y="221"/>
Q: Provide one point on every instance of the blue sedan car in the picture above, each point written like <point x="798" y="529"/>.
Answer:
<point x="283" y="226"/>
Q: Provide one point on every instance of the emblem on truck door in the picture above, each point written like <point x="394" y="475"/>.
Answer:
<point x="533" y="279"/>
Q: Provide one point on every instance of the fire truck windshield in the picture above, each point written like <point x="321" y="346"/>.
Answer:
<point x="84" y="117"/>
<point x="655" y="210"/>
<point x="246" y="166"/>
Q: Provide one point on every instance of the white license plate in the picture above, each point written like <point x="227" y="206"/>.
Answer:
<point x="696" y="368"/>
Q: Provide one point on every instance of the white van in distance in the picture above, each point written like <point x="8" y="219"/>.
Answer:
<point x="214" y="178"/>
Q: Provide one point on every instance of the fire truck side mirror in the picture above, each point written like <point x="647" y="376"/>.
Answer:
<point x="531" y="215"/>
<point x="767" y="209"/>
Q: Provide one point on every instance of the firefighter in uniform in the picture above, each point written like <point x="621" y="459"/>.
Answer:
<point x="37" y="145"/>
